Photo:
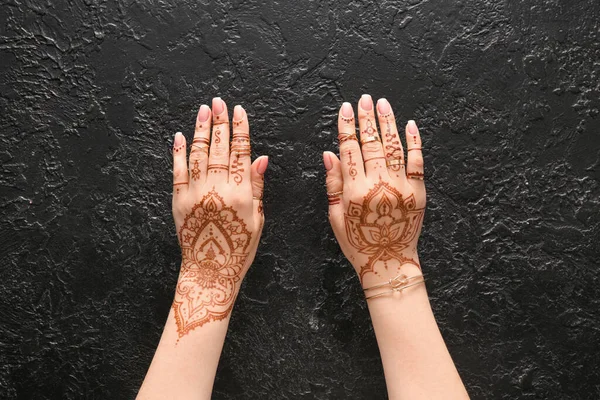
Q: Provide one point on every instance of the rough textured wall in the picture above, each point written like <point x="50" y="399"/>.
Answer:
<point x="507" y="97"/>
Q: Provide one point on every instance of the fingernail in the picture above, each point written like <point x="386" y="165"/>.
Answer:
<point x="327" y="161"/>
<point x="412" y="127"/>
<point x="262" y="166"/>
<point x="203" y="113"/>
<point x="178" y="139"/>
<point x="347" y="111"/>
<point x="218" y="106"/>
<point x="238" y="113"/>
<point x="383" y="106"/>
<point x="366" y="102"/>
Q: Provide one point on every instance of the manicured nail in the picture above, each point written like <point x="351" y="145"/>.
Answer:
<point x="178" y="139"/>
<point x="347" y="111"/>
<point x="262" y="165"/>
<point x="218" y="106"/>
<point x="238" y="113"/>
<point x="412" y="127"/>
<point x="203" y="113"/>
<point x="366" y="102"/>
<point x="383" y="106"/>
<point x="327" y="161"/>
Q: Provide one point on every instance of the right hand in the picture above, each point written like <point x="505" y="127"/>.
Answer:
<point x="376" y="203"/>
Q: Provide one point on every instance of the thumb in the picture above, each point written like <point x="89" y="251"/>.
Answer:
<point x="334" y="183"/>
<point x="257" y="177"/>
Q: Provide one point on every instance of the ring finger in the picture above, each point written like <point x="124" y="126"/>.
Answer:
<point x="394" y="153"/>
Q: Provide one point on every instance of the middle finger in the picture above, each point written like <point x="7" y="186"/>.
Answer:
<point x="372" y="150"/>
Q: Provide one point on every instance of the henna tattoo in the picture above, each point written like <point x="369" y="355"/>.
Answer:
<point x="353" y="172"/>
<point x="393" y="147"/>
<point x="178" y="148"/>
<point x="176" y="186"/>
<point x="334" y="198"/>
<point x="415" y="148"/>
<point x="236" y="170"/>
<point x="214" y="242"/>
<point x="215" y="168"/>
<point x="369" y="130"/>
<point x="415" y="175"/>
<point x="347" y="119"/>
<point x="260" y="207"/>
<point x="196" y="171"/>
<point x="383" y="226"/>
<point x="217" y="135"/>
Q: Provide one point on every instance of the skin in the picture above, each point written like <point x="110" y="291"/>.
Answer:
<point x="376" y="212"/>
<point x="217" y="209"/>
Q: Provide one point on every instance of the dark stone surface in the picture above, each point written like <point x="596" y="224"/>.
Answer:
<point x="506" y="95"/>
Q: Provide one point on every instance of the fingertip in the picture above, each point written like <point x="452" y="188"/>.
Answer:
<point x="327" y="160"/>
<point x="412" y="127"/>
<point x="238" y="113"/>
<point x="346" y="110"/>
<point x="203" y="113"/>
<point x="262" y="165"/>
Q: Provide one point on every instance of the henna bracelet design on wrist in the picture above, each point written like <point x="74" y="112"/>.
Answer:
<point x="396" y="284"/>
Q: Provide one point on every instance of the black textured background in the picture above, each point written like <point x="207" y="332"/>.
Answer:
<point x="507" y="97"/>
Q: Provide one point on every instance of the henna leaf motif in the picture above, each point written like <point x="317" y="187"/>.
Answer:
<point x="214" y="249"/>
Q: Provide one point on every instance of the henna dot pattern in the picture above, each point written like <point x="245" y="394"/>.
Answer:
<point x="214" y="245"/>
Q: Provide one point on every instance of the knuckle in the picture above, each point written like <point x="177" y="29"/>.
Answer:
<point x="371" y="148"/>
<point x="349" y="146"/>
<point x="179" y="172"/>
<point x="198" y="155"/>
<point x="417" y="162"/>
<point x="218" y="151"/>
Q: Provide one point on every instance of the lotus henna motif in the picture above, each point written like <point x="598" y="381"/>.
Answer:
<point x="383" y="226"/>
<point x="214" y="243"/>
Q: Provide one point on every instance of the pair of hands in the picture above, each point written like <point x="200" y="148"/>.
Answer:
<point x="376" y="203"/>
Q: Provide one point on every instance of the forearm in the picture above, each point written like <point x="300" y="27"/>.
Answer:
<point x="184" y="367"/>
<point x="415" y="359"/>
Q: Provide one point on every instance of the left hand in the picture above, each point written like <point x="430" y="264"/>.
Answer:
<point x="217" y="207"/>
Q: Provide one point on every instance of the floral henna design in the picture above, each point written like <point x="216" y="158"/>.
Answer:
<point x="214" y="242"/>
<point x="383" y="226"/>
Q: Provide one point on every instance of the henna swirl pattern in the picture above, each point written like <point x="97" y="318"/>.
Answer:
<point x="353" y="172"/>
<point x="214" y="242"/>
<point x="383" y="226"/>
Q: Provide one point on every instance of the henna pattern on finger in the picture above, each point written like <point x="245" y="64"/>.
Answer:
<point x="217" y="135"/>
<point x="237" y="170"/>
<point x="196" y="171"/>
<point x="369" y="130"/>
<point x="214" y="245"/>
<point x="383" y="227"/>
<point x="353" y="172"/>
<point x="216" y="168"/>
<point x="393" y="147"/>
<point x="415" y="175"/>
